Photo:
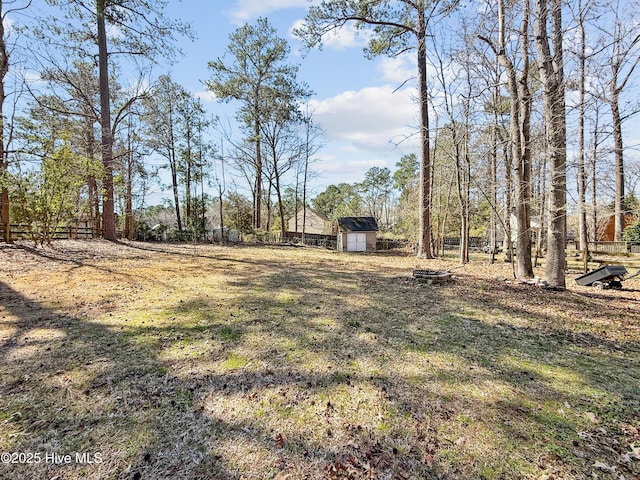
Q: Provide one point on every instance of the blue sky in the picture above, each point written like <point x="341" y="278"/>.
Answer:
<point x="354" y="98"/>
<point x="358" y="102"/>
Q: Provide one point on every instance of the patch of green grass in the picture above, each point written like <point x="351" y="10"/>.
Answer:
<point x="235" y="361"/>
<point x="229" y="333"/>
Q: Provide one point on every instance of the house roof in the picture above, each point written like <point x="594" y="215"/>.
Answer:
<point x="358" y="224"/>
<point x="322" y="216"/>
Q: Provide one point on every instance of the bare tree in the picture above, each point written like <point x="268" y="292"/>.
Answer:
<point x="622" y="58"/>
<point x="146" y="33"/>
<point x="312" y="135"/>
<point x="162" y="119"/>
<point x="257" y="75"/>
<point x="5" y="220"/>
<point x="551" y="66"/>
<point x="519" y="125"/>
<point x="458" y="129"/>
<point x="399" y="26"/>
<point x="582" y="92"/>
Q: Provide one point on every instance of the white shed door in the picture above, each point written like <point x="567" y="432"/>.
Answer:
<point x="356" y="242"/>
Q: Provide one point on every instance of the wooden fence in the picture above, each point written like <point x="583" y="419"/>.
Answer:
<point x="313" y="239"/>
<point x="25" y="232"/>
<point x="614" y="247"/>
<point x="474" y="242"/>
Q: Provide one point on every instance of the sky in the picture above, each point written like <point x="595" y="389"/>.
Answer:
<point x="355" y="100"/>
<point x="367" y="108"/>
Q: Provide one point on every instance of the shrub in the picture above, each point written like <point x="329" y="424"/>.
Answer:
<point x="632" y="233"/>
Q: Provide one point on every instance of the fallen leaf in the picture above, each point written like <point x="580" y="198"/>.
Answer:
<point x="604" y="467"/>
<point x="591" y="416"/>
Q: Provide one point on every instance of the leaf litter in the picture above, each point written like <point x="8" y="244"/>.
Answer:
<point x="196" y="361"/>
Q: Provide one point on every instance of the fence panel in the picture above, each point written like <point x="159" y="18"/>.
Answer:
<point x="614" y="247"/>
<point x="23" y="232"/>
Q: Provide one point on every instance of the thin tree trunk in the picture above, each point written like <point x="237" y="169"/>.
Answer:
<point x="493" y="234"/>
<point x="283" y="228"/>
<point x="4" y="162"/>
<point x="173" y="165"/>
<point x="582" y="177"/>
<point x="305" y="178"/>
<point x="594" y="175"/>
<point x="519" y="132"/>
<point x="257" y="201"/>
<point x="129" y="223"/>
<point x="543" y="201"/>
<point x="187" y="187"/>
<point x="508" y="162"/>
<point x="268" y="202"/>
<point x="619" y="222"/>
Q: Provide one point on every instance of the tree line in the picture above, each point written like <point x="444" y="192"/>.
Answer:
<point x="502" y="92"/>
<point x="86" y="141"/>
<point x="524" y="105"/>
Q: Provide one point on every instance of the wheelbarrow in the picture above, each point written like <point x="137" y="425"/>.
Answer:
<point x="609" y="276"/>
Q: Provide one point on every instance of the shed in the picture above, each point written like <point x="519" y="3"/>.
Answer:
<point x="357" y="234"/>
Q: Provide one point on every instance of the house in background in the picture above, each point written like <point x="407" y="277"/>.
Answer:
<point x="357" y="234"/>
<point x="316" y="223"/>
<point x="606" y="227"/>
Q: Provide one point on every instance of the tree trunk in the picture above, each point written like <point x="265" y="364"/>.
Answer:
<point x="268" y="202"/>
<point x="582" y="176"/>
<point x="524" y="266"/>
<point x="257" y="200"/>
<point x="619" y="164"/>
<point x="129" y="228"/>
<point x="594" y="175"/>
<point x="221" y="188"/>
<point x="552" y="77"/>
<point x="173" y="165"/>
<point x="305" y="177"/>
<point x="520" y="134"/>
<point x="508" y="232"/>
<point x="493" y="174"/>
<point x="108" y="204"/>
<point x="283" y="228"/>
<point x="424" y="234"/>
<point x="4" y="162"/>
<point x="187" y="182"/>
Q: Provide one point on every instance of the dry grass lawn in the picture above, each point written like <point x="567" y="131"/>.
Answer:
<point x="143" y="361"/>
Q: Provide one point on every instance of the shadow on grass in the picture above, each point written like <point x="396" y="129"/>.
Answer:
<point x="344" y="373"/>
<point x="74" y="387"/>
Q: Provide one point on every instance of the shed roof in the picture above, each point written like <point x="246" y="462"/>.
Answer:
<point x="358" y="224"/>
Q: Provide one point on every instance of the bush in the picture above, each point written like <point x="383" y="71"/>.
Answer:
<point x="632" y="233"/>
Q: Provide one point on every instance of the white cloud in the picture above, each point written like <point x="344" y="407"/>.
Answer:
<point x="245" y="10"/>
<point x="206" y="96"/>
<point x="114" y="32"/>
<point x="346" y="37"/>
<point x="398" y="69"/>
<point x="7" y="24"/>
<point x="349" y="166"/>
<point x="362" y="129"/>
<point x="32" y="77"/>
<point x="368" y="119"/>
<point x="341" y="167"/>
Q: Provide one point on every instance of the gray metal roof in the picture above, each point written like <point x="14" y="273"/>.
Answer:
<point x="358" y="224"/>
